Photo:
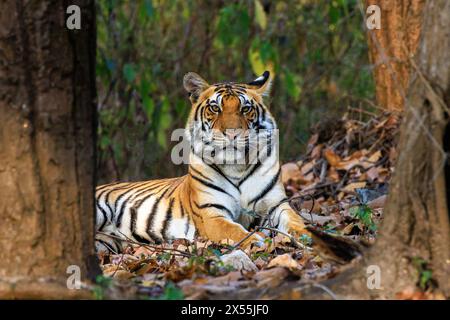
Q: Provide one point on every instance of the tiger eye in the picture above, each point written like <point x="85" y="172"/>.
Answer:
<point x="245" y="109"/>
<point x="214" y="108"/>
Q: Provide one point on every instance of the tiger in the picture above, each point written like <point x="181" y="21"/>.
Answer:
<point x="214" y="199"/>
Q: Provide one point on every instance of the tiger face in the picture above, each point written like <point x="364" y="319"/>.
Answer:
<point x="229" y="122"/>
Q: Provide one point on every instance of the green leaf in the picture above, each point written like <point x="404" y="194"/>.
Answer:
<point x="260" y="15"/>
<point x="334" y="14"/>
<point x="149" y="106"/>
<point x="129" y="72"/>
<point x="305" y="239"/>
<point x="233" y="24"/>
<point x="256" y="62"/>
<point x="165" y="120"/>
<point x="148" y="5"/>
<point x="364" y="214"/>
<point x="104" y="142"/>
<point x="292" y="85"/>
<point x="425" y="277"/>
<point x="171" y="292"/>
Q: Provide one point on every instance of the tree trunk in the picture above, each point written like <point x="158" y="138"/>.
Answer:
<point x="47" y="148"/>
<point x="416" y="217"/>
<point x="416" y="223"/>
<point x="390" y="47"/>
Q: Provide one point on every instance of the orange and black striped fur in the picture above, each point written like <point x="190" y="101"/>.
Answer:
<point x="210" y="199"/>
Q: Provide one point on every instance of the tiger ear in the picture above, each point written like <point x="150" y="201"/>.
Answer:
<point x="194" y="85"/>
<point x="261" y="84"/>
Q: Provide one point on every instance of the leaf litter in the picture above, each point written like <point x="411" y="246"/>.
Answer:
<point x="338" y="186"/>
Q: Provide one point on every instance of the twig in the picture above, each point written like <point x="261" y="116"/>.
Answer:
<point x="294" y="242"/>
<point x="118" y="265"/>
<point x="301" y="198"/>
<point x="243" y="239"/>
<point x="362" y="111"/>
<point x="183" y="253"/>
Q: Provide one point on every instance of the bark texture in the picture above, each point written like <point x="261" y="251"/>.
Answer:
<point x="390" y="47"/>
<point x="47" y="147"/>
<point x="416" y="221"/>
<point x="416" y="218"/>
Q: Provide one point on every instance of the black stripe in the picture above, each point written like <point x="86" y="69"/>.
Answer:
<point x="196" y="114"/>
<point x="255" y="167"/>
<point x="186" y="228"/>
<point x="105" y="216"/>
<point x="133" y="217"/>
<point x="174" y="188"/>
<point x="192" y="210"/>
<point x="199" y="173"/>
<point x="168" y="219"/>
<point x="267" y="188"/>
<point x="127" y="186"/>
<point x="181" y="208"/>
<point x="140" y="239"/>
<point x="217" y="169"/>
<point x="99" y="201"/>
<point x="217" y="206"/>
<point x="201" y="119"/>
<point x="152" y="215"/>
<point x="133" y="187"/>
<point x="107" y="245"/>
<point x="118" y="244"/>
<point x="97" y="189"/>
<point x="212" y="186"/>
<point x="106" y="201"/>
<point x="134" y="196"/>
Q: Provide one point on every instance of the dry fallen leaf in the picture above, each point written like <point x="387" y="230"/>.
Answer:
<point x="332" y="158"/>
<point x="355" y="185"/>
<point x="284" y="260"/>
<point x="290" y="171"/>
<point x="375" y="157"/>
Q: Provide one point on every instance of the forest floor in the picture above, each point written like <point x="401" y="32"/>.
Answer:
<point x="339" y="187"/>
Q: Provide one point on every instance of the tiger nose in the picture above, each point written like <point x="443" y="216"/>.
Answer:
<point x="232" y="133"/>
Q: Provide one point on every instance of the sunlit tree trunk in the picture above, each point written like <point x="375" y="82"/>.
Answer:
<point x="47" y="148"/>
<point x="416" y="223"/>
<point x="390" y="47"/>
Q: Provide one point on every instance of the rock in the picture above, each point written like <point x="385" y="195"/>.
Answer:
<point x="239" y="260"/>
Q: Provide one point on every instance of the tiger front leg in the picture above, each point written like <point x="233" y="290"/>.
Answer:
<point x="287" y="220"/>
<point x="217" y="228"/>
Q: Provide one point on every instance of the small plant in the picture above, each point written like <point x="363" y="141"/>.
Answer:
<point x="305" y="240"/>
<point x="330" y="228"/>
<point x="102" y="283"/>
<point x="425" y="275"/>
<point x="263" y="255"/>
<point x="165" y="256"/>
<point x="364" y="214"/>
<point x="171" y="292"/>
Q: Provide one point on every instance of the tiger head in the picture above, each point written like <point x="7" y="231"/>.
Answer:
<point x="229" y="122"/>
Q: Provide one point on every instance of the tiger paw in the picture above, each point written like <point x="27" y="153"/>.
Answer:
<point x="297" y="229"/>
<point x="255" y="239"/>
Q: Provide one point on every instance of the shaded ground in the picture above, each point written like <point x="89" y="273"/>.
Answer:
<point x="339" y="187"/>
